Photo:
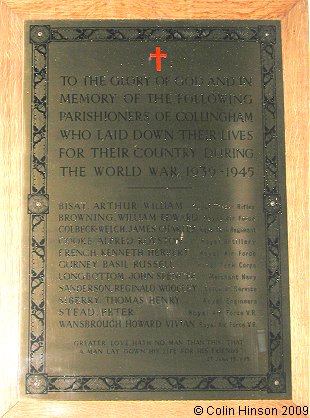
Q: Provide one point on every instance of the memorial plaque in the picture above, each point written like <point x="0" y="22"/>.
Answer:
<point x="155" y="259"/>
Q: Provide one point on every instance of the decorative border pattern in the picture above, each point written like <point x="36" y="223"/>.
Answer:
<point x="37" y="381"/>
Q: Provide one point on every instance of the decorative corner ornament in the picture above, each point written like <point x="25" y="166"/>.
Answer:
<point x="267" y="34"/>
<point x="276" y="382"/>
<point x="40" y="34"/>
<point x="36" y="384"/>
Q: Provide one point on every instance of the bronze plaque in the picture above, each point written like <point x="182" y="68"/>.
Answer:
<point x="155" y="226"/>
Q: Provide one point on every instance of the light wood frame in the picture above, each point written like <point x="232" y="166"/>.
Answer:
<point x="294" y="17"/>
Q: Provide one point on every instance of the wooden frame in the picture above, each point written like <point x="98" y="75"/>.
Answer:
<point x="293" y="15"/>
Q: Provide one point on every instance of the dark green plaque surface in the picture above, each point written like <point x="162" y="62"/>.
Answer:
<point x="155" y="237"/>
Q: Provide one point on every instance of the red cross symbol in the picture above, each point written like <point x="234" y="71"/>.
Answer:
<point x="158" y="55"/>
